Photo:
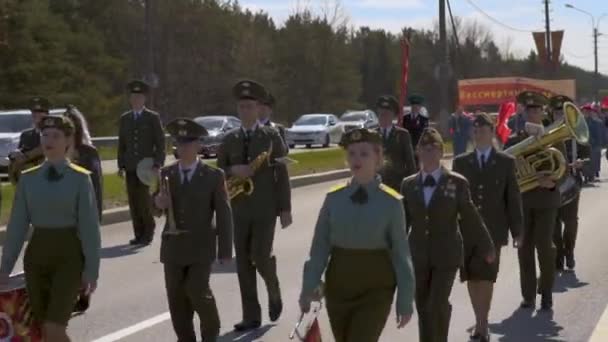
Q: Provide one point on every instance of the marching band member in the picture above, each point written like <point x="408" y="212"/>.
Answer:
<point x="565" y="238"/>
<point x="441" y="216"/>
<point x="540" y="207"/>
<point x="495" y="192"/>
<point x="360" y="232"/>
<point x="83" y="153"/>
<point x="140" y="136"/>
<point x="57" y="198"/>
<point x="193" y="191"/>
<point x="397" y="142"/>
<point x="254" y="215"/>
<point x="415" y="122"/>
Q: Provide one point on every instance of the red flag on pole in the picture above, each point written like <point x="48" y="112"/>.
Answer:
<point x="405" y="65"/>
<point x="503" y="131"/>
<point x="314" y="332"/>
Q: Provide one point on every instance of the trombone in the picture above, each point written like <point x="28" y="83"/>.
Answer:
<point x="171" y="226"/>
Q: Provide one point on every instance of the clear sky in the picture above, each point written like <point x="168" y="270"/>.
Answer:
<point x="518" y="15"/>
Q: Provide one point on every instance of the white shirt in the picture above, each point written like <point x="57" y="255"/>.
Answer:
<point x="264" y="122"/>
<point x="428" y="190"/>
<point x="386" y="132"/>
<point x="251" y="130"/>
<point x="485" y="153"/>
<point x="137" y="114"/>
<point x="191" y="168"/>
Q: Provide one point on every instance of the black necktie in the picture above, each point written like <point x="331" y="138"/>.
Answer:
<point x="483" y="161"/>
<point x="359" y="196"/>
<point x="385" y="135"/>
<point x="52" y="175"/>
<point x="185" y="179"/>
<point x="429" y="181"/>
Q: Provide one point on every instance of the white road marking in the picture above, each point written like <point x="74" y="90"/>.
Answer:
<point x="600" y="334"/>
<point x="134" y="328"/>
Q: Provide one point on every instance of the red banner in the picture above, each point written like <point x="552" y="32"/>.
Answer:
<point x="16" y="320"/>
<point x="495" y="91"/>
<point x="405" y="66"/>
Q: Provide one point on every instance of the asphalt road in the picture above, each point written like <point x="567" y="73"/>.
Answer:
<point x="130" y="304"/>
<point x="109" y="166"/>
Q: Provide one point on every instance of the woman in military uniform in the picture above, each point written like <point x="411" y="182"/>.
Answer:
<point x="361" y="234"/>
<point x="83" y="153"/>
<point x="58" y="200"/>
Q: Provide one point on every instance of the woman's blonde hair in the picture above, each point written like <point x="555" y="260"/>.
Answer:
<point x="81" y="128"/>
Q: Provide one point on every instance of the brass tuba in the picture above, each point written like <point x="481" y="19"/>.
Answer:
<point x="535" y="156"/>
<point x="238" y="185"/>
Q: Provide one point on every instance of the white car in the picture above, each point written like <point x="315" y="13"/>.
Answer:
<point x="359" y="119"/>
<point x="314" y="129"/>
<point x="12" y="123"/>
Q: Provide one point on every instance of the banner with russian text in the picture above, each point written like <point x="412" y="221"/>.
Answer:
<point x="497" y="90"/>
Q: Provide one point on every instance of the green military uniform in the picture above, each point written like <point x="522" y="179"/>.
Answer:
<point x="58" y="200"/>
<point x="197" y="192"/>
<point x="440" y="215"/>
<point x="567" y="215"/>
<point x="399" y="159"/>
<point x="254" y="215"/>
<point x="540" y="207"/>
<point x="88" y="158"/>
<point x="361" y="245"/>
<point x="495" y="192"/>
<point x="140" y="136"/>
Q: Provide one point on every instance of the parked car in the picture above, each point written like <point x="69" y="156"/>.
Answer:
<point x="12" y="123"/>
<point x="217" y="126"/>
<point x="314" y="129"/>
<point x="359" y="119"/>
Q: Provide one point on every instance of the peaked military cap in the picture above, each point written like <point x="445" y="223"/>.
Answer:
<point x="532" y="99"/>
<point x="360" y="135"/>
<point x="185" y="130"/>
<point x="59" y="122"/>
<point x="431" y="136"/>
<point x="388" y="102"/>
<point x="249" y="90"/>
<point x="557" y="102"/>
<point x="269" y="100"/>
<point x="138" y="87"/>
<point x="415" y="100"/>
<point x="483" y="119"/>
<point x="39" y="104"/>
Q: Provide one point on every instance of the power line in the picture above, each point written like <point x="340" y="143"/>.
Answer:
<point x="494" y="20"/>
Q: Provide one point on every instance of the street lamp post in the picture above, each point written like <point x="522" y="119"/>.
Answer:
<point x="595" y="24"/>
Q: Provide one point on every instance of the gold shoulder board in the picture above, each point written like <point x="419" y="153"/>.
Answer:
<point x="391" y="191"/>
<point x="31" y="169"/>
<point x="338" y="188"/>
<point x="79" y="169"/>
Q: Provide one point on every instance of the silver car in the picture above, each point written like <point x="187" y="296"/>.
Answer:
<point x="12" y="123"/>
<point x="314" y="129"/>
<point x="216" y="126"/>
<point x="359" y="119"/>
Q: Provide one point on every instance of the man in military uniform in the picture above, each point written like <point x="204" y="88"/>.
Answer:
<point x="140" y="136"/>
<point x="283" y="183"/>
<point x="568" y="212"/>
<point x="540" y="206"/>
<point x="415" y="122"/>
<point x="190" y="193"/>
<point x="398" y="152"/>
<point x="29" y="140"/>
<point x="459" y="125"/>
<point x="495" y="192"/>
<point x="254" y="215"/>
<point x="440" y="216"/>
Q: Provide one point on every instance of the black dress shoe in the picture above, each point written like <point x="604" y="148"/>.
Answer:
<point x="82" y="304"/>
<point x="134" y="242"/>
<point x="247" y="325"/>
<point x="527" y="304"/>
<point x="559" y="263"/>
<point x="546" y="302"/>
<point x="275" y="308"/>
<point x="570" y="263"/>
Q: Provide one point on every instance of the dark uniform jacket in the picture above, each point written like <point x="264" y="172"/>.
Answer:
<point x="141" y="138"/>
<point x="539" y="197"/>
<point x="495" y="192"/>
<point x="29" y="140"/>
<point x="193" y="208"/>
<point x="265" y="196"/>
<point x="399" y="157"/>
<point x="415" y="126"/>
<point x="436" y="237"/>
<point x="282" y="174"/>
<point x="88" y="158"/>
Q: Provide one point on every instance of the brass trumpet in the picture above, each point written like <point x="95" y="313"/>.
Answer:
<point x="171" y="226"/>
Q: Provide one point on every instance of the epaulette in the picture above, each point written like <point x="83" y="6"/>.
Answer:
<point x="79" y="169"/>
<point x="338" y="188"/>
<point x="31" y="169"/>
<point x="391" y="191"/>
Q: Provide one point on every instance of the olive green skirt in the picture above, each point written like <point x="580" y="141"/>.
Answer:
<point x="53" y="265"/>
<point x="359" y="290"/>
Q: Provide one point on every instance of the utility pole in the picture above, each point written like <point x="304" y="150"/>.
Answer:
<point x="149" y="74"/>
<point x="548" y="39"/>
<point x="596" y="73"/>
<point x="443" y="69"/>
